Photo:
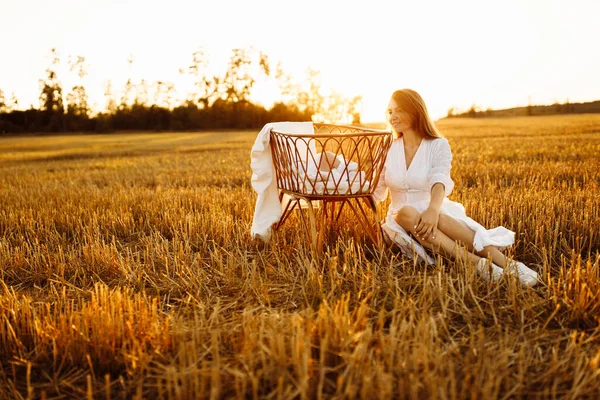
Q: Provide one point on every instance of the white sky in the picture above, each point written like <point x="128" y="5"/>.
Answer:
<point x="455" y="53"/>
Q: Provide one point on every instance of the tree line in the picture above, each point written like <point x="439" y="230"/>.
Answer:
<point x="218" y="101"/>
<point x="529" y="110"/>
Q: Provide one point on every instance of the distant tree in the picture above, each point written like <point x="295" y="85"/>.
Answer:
<point x="568" y="107"/>
<point x="451" y="112"/>
<point x="233" y="106"/>
<point x="205" y="86"/>
<point x="111" y="104"/>
<point x="141" y="97"/>
<point x="288" y="89"/>
<point x="337" y="108"/>
<point x="77" y="100"/>
<point x="334" y="107"/>
<point x="78" y="109"/>
<point x="316" y="98"/>
<point x="51" y="96"/>
<point x="244" y="67"/>
<point x="3" y="105"/>
<point x="355" y="109"/>
<point x="557" y="107"/>
<point x="164" y="94"/>
<point x="129" y="96"/>
<point x="287" y="112"/>
<point x="312" y="100"/>
<point x="13" y="104"/>
<point x="473" y="111"/>
<point x="237" y="83"/>
<point x="264" y="63"/>
<point x="327" y="106"/>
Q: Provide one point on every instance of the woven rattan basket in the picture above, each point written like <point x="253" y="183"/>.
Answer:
<point x="337" y="165"/>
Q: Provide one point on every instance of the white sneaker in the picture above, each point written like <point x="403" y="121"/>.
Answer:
<point x="527" y="276"/>
<point x="484" y="269"/>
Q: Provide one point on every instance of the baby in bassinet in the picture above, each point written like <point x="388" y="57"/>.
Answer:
<point x="327" y="173"/>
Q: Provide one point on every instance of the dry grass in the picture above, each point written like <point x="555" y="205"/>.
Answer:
<point x="127" y="271"/>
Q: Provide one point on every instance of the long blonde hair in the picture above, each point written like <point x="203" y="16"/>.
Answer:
<point x="412" y="103"/>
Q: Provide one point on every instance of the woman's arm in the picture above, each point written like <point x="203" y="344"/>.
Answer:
<point x="381" y="190"/>
<point x="441" y="186"/>
<point x="438" y="193"/>
<point x="428" y="221"/>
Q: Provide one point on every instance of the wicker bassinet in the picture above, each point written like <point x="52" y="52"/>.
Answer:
<point x="336" y="165"/>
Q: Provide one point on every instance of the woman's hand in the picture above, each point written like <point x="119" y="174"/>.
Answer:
<point x="427" y="224"/>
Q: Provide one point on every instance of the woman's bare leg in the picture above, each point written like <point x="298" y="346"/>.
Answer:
<point x="407" y="217"/>
<point x="453" y="238"/>
<point x="456" y="230"/>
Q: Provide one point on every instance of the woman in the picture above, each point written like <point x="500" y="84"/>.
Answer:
<point x="417" y="173"/>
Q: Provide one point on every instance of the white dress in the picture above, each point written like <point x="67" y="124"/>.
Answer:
<point x="412" y="187"/>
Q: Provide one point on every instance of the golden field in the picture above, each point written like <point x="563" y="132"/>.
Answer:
<point x="128" y="271"/>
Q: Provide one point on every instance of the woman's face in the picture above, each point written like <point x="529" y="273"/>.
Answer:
<point x="399" y="119"/>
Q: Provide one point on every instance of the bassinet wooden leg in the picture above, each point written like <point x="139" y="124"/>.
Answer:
<point x="313" y="226"/>
<point x="287" y="211"/>
<point x="364" y="218"/>
<point x="378" y="227"/>
<point x="325" y="220"/>
<point x="341" y="207"/>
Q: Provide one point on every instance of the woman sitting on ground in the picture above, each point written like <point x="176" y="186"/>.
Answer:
<point x="417" y="173"/>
